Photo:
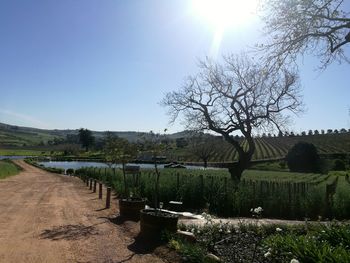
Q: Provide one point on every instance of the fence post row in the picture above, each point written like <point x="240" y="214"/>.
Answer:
<point x="108" y="198"/>
<point x="100" y="190"/>
<point x="95" y="182"/>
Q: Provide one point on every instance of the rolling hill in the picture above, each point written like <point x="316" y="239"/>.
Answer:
<point x="266" y="147"/>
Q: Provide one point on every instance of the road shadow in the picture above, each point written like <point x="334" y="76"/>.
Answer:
<point x="69" y="232"/>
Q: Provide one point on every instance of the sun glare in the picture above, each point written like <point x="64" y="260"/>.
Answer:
<point x="221" y="14"/>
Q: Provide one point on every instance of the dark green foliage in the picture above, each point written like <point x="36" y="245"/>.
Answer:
<point x="191" y="253"/>
<point x="303" y="158"/>
<point x="321" y="244"/>
<point x="281" y="194"/>
<point x="339" y="165"/>
<point x="86" y="138"/>
<point x="70" y="171"/>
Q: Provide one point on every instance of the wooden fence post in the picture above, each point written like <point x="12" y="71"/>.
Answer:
<point x="90" y="183"/>
<point x="108" y="198"/>
<point x="95" y="182"/>
<point x="100" y="190"/>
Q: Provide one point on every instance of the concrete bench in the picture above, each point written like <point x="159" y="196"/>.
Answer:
<point x="175" y="206"/>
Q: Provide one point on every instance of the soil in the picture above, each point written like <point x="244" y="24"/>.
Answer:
<point x="47" y="217"/>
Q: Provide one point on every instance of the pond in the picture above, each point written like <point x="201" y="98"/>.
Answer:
<point x="80" y="164"/>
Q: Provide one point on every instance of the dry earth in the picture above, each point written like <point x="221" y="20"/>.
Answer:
<point x="46" y="217"/>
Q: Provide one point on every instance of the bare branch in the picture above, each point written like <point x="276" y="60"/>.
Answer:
<point x="294" y="27"/>
<point x="237" y="96"/>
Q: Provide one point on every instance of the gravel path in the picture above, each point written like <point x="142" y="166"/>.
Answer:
<point x="46" y="217"/>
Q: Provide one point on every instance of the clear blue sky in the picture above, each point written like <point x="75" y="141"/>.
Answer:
<point x="105" y="65"/>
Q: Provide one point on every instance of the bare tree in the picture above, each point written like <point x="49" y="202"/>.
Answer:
<point x="318" y="27"/>
<point x="236" y="96"/>
<point x="203" y="147"/>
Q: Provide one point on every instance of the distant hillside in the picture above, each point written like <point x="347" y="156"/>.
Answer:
<point x="17" y="136"/>
<point x="267" y="147"/>
<point x="277" y="147"/>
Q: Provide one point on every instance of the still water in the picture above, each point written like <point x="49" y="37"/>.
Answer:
<point x="80" y="164"/>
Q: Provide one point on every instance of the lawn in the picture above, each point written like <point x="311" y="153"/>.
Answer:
<point x="20" y="152"/>
<point x="8" y="168"/>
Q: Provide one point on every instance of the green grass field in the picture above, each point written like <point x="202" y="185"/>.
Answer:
<point x="7" y="168"/>
<point x="20" y="152"/>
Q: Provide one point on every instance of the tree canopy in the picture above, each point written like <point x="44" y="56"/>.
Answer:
<point x="236" y="96"/>
<point x="86" y="138"/>
<point x="318" y="27"/>
<point x="303" y="158"/>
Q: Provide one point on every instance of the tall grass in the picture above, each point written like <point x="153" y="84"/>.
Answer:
<point x="8" y="168"/>
<point x="281" y="194"/>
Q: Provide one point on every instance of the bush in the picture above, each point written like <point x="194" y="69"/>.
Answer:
<point x="303" y="158"/>
<point x="339" y="165"/>
<point x="70" y="171"/>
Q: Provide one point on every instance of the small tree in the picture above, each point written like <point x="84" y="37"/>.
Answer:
<point x="86" y="138"/>
<point x="154" y="145"/>
<point x="119" y="150"/>
<point x="303" y="158"/>
<point x="294" y="27"/>
<point x="203" y="147"/>
<point x="238" y="96"/>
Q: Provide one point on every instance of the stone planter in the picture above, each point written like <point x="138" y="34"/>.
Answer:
<point x="153" y="223"/>
<point x="130" y="208"/>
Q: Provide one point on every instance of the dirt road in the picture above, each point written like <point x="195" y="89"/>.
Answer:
<point x="53" y="218"/>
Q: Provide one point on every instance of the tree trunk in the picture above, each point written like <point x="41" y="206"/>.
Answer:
<point x="125" y="184"/>
<point x="205" y="163"/>
<point x="236" y="169"/>
<point x="156" y="197"/>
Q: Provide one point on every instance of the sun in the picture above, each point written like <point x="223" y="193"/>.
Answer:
<point x="223" y="14"/>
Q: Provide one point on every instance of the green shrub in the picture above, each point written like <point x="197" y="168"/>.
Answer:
<point x="303" y="157"/>
<point x="339" y="165"/>
<point x="70" y="171"/>
<point x="191" y="253"/>
<point x="327" y="244"/>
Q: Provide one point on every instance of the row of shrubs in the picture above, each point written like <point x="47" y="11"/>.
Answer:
<point x="271" y="243"/>
<point x="218" y="195"/>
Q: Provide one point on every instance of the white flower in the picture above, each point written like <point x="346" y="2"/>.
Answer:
<point x="278" y="229"/>
<point x="294" y="261"/>
<point x="228" y="231"/>
<point x="220" y="230"/>
<point x="267" y="254"/>
<point x="258" y="210"/>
